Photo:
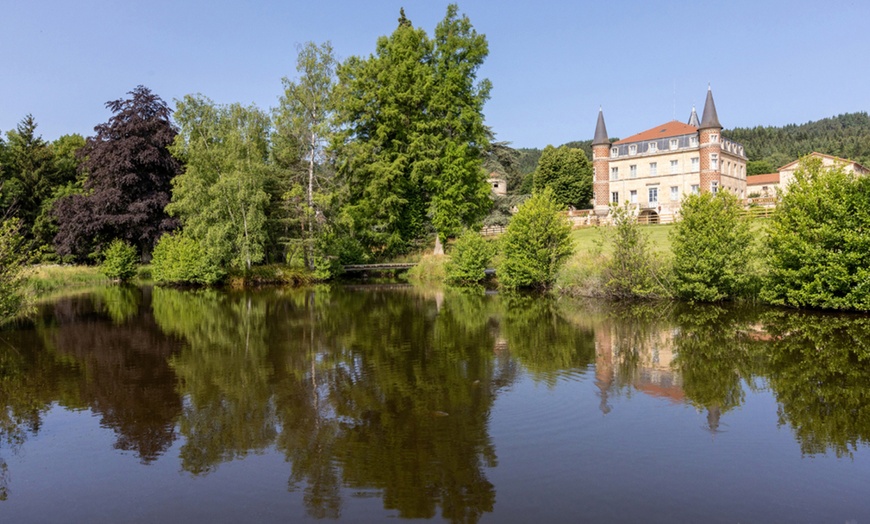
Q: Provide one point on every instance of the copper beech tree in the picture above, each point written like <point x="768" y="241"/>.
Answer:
<point x="129" y="172"/>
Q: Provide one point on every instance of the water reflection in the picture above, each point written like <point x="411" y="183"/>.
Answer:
<point x="388" y="392"/>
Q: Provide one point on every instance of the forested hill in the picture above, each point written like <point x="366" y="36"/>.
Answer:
<point x="846" y="136"/>
<point x="768" y="148"/>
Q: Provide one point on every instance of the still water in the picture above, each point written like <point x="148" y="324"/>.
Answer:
<point x="369" y="403"/>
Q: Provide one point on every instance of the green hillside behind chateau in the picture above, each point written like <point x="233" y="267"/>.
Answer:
<point x="769" y="147"/>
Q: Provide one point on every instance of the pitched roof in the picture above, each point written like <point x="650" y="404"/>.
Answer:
<point x="693" y="118"/>
<point x="672" y="128"/>
<point x="600" y="131"/>
<point x="793" y="164"/>
<point x="758" y="180"/>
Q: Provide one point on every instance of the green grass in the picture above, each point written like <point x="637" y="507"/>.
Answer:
<point x="45" y="279"/>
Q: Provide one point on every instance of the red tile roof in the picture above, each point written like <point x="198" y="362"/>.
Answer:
<point x="758" y="180"/>
<point x="672" y="128"/>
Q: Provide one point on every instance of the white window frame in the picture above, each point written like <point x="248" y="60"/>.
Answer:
<point x="674" y="143"/>
<point x="632" y="170"/>
<point x="633" y="196"/>
<point x="714" y="138"/>
<point x="714" y="187"/>
<point x="653" y="194"/>
<point x="675" y="167"/>
<point x="614" y="152"/>
<point x="675" y="193"/>
<point x="632" y="149"/>
<point x="696" y="188"/>
<point x="652" y="147"/>
<point x="693" y="141"/>
<point x="614" y="173"/>
<point x="714" y="161"/>
<point x="614" y="197"/>
<point x="653" y="168"/>
<point x="696" y="163"/>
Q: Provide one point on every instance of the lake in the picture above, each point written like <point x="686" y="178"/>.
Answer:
<point x="365" y="403"/>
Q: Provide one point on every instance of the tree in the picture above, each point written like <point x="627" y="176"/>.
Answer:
<point x="12" y="298"/>
<point x="632" y="271"/>
<point x="223" y="197"/>
<point x="119" y="261"/>
<point x="568" y="172"/>
<point x="759" y="167"/>
<point x="536" y="244"/>
<point x="304" y="113"/>
<point x="129" y="173"/>
<point x="818" y="249"/>
<point x="412" y="138"/>
<point x="469" y="259"/>
<point x="712" y="247"/>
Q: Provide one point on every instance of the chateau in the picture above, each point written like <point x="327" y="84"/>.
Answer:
<point x="654" y="169"/>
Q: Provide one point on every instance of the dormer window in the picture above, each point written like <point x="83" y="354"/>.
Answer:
<point x="693" y="141"/>
<point x="614" y="152"/>
<point x="632" y="149"/>
<point x="653" y="147"/>
<point x="675" y="143"/>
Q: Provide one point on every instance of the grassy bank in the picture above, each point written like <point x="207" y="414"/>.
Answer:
<point x="46" y="279"/>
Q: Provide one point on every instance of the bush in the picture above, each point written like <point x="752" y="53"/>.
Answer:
<point x="119" y="261"/>
<point x="12" y="297"/>
<point x="712" y="247"/>
<point x="179" y="259"/>
<point x="818" y="252"/>
<point x="536" y="244"/>
<point x="632" y="271"/>
<point x="469" y="258"/>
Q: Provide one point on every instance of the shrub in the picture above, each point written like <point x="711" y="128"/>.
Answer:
<point x="469" y="258"/>
<point x="179" y="259"/>
<point x="536" y="244"/>
<point x="712" y="247"/>
<point x="632" y="271"/>
<point x="818" y="252"/>
<point x="119" y="261"/>
<point x="12" y="297"/>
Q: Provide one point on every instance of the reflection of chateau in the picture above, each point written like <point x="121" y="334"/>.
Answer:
<point x="639" y="361"/>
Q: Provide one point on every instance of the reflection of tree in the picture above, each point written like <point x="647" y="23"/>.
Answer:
<point x="542" y="340"/>
<point x="714" y="357"/>
<point x="819" y="370"/>
<point x="129" y="383"/>
<point x="222" y="374"/>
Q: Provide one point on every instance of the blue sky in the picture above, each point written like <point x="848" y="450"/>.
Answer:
<point x="552" y="63"/>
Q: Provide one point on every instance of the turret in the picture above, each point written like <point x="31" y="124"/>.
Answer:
<point x="711" y="146"/>
<point x="601" y="166"/>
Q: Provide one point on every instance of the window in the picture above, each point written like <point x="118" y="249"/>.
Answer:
<point x="696" y="163"/>
<point x="614" y="152"/>
<point x="653" y="196"/>
<point x="675" y="143"/>
<point x="675" y="193"/>
<point x="714" y="161"/>
<point x="633" y="171"/>
<point x="693" y="141"/>
<point x="653" y="168"/>
<point x="614" y="173"/>
<point x="714" y="138"/>
<point x="633" y="196"/>
<point x="614" y="197"/>
<point x="632" y="149"/>
<point x="675" y="166"/>
<point x="714" y="187"/>
<point x="653" y="147"/>
<point x="695" y="189"/>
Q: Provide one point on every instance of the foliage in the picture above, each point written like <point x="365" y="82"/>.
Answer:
<point x="129" y="171"/>
<point x="119" y="261"/>
<point x="712" y="247"/>
<point x="12" y="297"/>
<point x="504" y="160"/>
<point x="469" y="258"/>
<point x="412" y="136"/>
<point x="759" y="167"/>
<point x="179" y="259"/>
<point x="818" y="250"/>
<point x="632" y="271"/>
<point x="502" y="209"/>
<point x="536" y="244"/>
<point x="223" y="198"/>
<point x="430" y="269"/>
<point x="569" y="173"/>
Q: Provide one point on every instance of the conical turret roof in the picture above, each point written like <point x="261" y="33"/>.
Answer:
<point x="600" y="131"/>
<point x="710" y="118"/>
<point x="693" y="118"/>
